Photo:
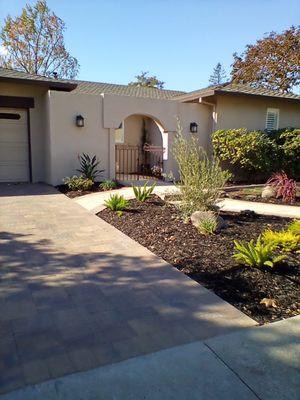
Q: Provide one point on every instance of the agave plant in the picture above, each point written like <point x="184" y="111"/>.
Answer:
<point x="88" y="166"/>
<point x="142" y="193"/>
<point x="284" y="186"/>
<point x="257" y="254"/>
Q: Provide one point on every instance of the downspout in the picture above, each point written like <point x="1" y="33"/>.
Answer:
<point x="214" y="113"/>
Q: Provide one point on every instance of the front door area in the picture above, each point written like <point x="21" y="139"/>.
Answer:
<point x="14" y="151"/>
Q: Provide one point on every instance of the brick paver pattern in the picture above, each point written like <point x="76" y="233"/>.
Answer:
<point x="75" y="293"/>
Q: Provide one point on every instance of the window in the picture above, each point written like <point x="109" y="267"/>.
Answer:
<point x="272" y="120"/>
<point x="119" y="134"/>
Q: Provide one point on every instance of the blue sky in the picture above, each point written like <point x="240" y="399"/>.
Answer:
<point x="180" y="41"/>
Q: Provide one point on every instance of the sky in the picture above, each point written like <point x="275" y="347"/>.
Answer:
<point x="179" y="41"/>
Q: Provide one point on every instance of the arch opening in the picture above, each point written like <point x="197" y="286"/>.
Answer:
<point x="140" y="148"/>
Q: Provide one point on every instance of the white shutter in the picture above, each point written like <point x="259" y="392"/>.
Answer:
<point x="272" y="120"/>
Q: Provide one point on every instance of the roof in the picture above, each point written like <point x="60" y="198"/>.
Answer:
<point x="9" y="75"/>
<point x="236" y="89"/>
<point x="97" y="88"/>
<point x="125" y="90"/>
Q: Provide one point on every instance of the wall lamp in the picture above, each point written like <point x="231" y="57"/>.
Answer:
<point x="193" y="127"/>
<point x="79" y="121"/>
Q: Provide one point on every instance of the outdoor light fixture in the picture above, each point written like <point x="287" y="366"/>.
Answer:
<point x="193" y="127"/>
<point x="79" y="121"/>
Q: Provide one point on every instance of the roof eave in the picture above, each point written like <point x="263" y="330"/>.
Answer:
<point x="62" y="86"/>
<point x="258" y="96"/>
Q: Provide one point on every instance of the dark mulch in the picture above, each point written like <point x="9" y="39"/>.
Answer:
<point x="76" y="193"/>
<point x="208" y="259"/>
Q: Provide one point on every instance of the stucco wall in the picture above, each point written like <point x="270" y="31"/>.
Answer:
<point x="38" y="124"/>
<point x="67" y="140"/>
<point x="250" y="112"/>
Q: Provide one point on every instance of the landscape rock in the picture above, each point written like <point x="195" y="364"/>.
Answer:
<point x="268" y="192"/>
<point x="199" y="216"/>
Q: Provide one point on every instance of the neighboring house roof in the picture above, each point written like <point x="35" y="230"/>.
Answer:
<point x="235" y="89"/>
<point x="9" y="75"/>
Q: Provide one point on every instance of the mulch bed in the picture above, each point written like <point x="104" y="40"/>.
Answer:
<point x="208" y="259"/>
<point x="76" y="193"/>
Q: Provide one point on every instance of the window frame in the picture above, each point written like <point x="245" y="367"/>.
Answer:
<point x="275" y="111"/>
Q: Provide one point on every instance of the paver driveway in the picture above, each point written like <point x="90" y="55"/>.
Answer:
<point x="76" y="293"/>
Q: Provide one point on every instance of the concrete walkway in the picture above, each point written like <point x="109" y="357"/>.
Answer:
<point x="278" y="210"/>
<point x="76" y="293"/>
<point x="94" y="202"/>
<point x="255" y="363"/>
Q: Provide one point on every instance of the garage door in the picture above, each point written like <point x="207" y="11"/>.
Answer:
<point x="14" y="158"/>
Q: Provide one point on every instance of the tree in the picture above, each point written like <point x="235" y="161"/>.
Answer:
<point x="218" y="76"/>
<point x="272" y="62"/>
<point x="34" y="43"/>
<point x="149" y="81"/>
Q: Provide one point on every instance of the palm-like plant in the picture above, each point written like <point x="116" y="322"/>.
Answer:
<point x="88" y="166"/>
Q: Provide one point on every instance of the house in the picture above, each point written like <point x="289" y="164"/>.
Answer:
<point x="45" y="123"/>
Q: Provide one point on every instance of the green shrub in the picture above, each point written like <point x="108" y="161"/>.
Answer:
<point x="142" y="193"/>
<point x="208" y="226"/>
<point x="255" y="152"/>
<point x="78" y="183"/>
<point x="201" y="179"/>
<point x="108" y="184"/>
<point x="256" y="254"/>
<point x="294" y="227"/>
<point x="283" y="240"/>
<point x="250" y="152"/>
<point x="88" y="166"/>
<point x="116" y="203"/>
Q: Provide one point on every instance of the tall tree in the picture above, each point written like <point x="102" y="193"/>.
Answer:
<point x="34" y="43"/>
<point x="272" y="62"/>
<point x="149" y="81"/>
<point x="218" y="76"/>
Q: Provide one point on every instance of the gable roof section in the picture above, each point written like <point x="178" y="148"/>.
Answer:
<point x="235" y="89"/>
<point x="11" y="76"/>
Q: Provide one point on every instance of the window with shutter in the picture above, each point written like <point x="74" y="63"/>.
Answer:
<point x="272" y="120"/>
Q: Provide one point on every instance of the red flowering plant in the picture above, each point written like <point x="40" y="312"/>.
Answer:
<point x="284" y="186"/>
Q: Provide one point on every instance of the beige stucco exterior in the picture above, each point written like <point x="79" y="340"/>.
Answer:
<point x="38" y="124"/>
<point x="56" y="141"/>
<point x="250" y="112"/>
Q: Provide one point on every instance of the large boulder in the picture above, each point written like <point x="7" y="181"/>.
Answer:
<point x="198" y="216"/>
<point x="268" y="192"/>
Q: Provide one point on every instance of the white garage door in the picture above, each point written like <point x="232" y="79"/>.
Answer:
<point x="14" y="158"/>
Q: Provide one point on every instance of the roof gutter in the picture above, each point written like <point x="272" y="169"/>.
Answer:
<point x="52" y="85"/>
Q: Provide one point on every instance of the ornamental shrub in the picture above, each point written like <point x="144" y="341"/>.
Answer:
<point x="201" y="178"/>
<point x="253" y="155"/>
<point x="78" y="182"/>
<point x="244" y="151"/>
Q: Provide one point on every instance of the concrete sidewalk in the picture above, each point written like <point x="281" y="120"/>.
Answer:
<point x="256" y="363"/>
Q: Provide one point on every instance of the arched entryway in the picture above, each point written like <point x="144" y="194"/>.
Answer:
<point x="140" y="148"/>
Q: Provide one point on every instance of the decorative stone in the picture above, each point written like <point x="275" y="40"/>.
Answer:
<point x="268" y="192"/>
<point x="199" y="216"/>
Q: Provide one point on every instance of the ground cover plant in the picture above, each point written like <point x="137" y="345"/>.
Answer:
<point x="264" y="293"/>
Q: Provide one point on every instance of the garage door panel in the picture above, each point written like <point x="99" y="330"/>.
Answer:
<point x="14" y="157"/>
